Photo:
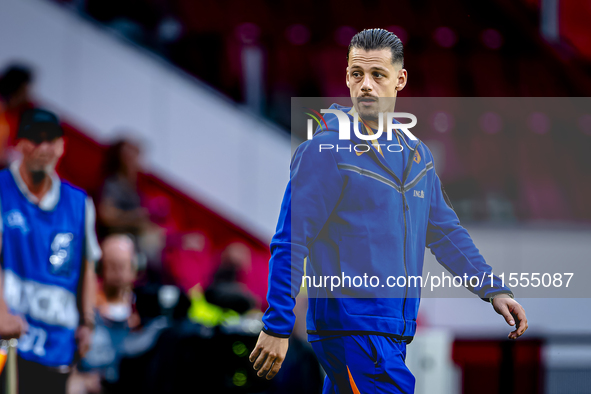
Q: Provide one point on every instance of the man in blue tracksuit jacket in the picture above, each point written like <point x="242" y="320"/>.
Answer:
<point x="358" y="209"/>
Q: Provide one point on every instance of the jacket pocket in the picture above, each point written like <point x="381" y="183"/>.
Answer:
<point x="368" y="347"/>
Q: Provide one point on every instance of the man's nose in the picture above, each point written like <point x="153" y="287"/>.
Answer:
<point x="367" y="83"/>
<point x="44" y="146"/>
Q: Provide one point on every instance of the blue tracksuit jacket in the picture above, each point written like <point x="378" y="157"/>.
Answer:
<point x="356" y="213"/>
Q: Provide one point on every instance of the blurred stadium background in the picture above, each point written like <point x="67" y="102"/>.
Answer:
<point x="198" y="96"/>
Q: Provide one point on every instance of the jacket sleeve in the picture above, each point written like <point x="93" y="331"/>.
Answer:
<point x="310" y="197"/>
<point x="454" y="249"/>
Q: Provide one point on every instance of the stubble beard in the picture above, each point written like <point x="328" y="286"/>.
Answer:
<point x="38" y="176"/>
<point x="370" y="115"/>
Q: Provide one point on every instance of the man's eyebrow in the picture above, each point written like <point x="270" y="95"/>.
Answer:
<point x="355" y="66"/>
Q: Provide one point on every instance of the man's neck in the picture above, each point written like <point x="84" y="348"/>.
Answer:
<point x="372" y="123"/>
<point x="36" y="187"/>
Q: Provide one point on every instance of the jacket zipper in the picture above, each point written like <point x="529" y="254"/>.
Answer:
<point x="405" y="270"/>
<point x="404" y="208"/>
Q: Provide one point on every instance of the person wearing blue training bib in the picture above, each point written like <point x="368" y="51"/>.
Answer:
<point x="48" y="250"/>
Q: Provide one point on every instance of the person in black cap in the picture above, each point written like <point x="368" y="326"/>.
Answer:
<point x="48" y="247"/>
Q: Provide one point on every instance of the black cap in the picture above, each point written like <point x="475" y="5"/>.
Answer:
<point x="39" y="125"/>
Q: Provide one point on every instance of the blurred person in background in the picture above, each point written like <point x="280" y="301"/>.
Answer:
<point x="227" y="296"/>
<point x="49" y="247"/>
<point x="227" y="289"/>
<point x="344" y="222"/>
<point x="15" y="92"/>
<point x="121" y="209"/>
<point x="118" y="270"/>
<point x="116" y="315"/>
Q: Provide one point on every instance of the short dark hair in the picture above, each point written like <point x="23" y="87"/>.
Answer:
<point x="13" y="78"/>
<point x="376" y="39"/>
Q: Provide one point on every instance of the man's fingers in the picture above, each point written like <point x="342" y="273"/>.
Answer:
<point x="262" y="357"/>
<point x="267" y="365"/>
<point x="518" y="313"/>
<point x="504" y="311"/>
<point x="522" y="325"/>
<point x="274" y="370"/>
<point x="255" y="353"/>
<point x="268" y="354"/>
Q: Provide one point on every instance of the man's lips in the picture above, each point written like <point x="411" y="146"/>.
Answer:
<point x="366" y="100"/>
<point x="361" y="99"/>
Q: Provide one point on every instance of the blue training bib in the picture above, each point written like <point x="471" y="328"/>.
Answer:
<point x="42" y="254"/>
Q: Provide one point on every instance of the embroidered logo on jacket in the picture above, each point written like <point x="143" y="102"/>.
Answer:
<point x="419" y="193"/>
<point x="417" y="158"/>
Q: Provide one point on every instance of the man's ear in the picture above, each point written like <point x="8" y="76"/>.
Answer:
<point x="402" y="78"/>
<point x="347" y="76"/>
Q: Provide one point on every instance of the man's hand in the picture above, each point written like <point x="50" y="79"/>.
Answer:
<point x="83" y="337"/>
<point x="11" y="326"/>
<point x="512" y="311"/>
<point x="268" y="355"/>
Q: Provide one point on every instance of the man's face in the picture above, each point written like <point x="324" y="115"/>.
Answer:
<point x="371" y="75"/>
<point x="118" y="271"/>
<point x="131" y="157"/>
<point x="41" y="155"/>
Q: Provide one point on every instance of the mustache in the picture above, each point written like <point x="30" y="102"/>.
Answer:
<point x="367" y="98"/>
